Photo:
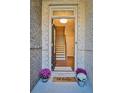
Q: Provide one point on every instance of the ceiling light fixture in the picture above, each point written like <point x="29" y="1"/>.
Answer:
<point x="63" y="21"/>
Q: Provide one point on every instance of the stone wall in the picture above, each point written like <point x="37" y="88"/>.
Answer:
<point x="89" y="40"/>
<point x="35" y="41"/>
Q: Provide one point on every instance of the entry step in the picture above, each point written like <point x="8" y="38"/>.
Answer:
<point x="63" y="74"/>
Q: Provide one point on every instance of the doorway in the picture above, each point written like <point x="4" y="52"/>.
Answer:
<point x="63" y="47"/>
<point x="63" y="38"/>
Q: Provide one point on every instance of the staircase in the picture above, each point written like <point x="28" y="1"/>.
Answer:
<point x="60" y="44"/>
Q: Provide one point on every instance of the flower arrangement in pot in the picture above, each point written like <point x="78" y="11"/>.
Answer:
<point x="81" y="76"/>
<point x="44" y="74"/>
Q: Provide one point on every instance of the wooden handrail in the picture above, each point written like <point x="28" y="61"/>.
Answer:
<point x="55" y="46"/>
<point x="65" y="46"/>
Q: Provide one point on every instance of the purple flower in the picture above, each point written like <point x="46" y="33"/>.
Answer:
<point x="80" y="70"/>
<point x="44" y="73"/>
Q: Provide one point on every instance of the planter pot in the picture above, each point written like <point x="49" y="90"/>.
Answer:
<point x="81" y="83"/>
<point x="44" y="80"/>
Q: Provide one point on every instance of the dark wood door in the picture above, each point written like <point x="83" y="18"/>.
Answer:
<point x="53" y="47"/>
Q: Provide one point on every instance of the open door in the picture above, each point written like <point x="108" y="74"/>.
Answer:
<point x="53" y="47"/>
<point x="63" y="47"/>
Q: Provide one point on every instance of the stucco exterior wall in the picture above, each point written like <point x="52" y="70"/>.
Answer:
<point x="35" y="65"/>
<point x="35" y="41"/>
<point x="89" y="40"/>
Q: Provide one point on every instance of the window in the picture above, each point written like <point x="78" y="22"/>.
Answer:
<point x="63" y="13"/>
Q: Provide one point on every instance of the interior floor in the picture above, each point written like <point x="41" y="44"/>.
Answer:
<point x="66" y="63"/>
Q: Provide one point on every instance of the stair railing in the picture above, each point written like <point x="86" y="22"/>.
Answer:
<point x="65" y="46"/>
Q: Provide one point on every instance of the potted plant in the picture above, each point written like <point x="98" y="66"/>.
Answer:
<point x="81" y="77"/>
<point x="44" y="74"/>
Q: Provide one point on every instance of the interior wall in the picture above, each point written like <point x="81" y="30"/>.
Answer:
<point x="35" y="41"/>
<point x="89" y="40"/>
<point x="69" y="32"/>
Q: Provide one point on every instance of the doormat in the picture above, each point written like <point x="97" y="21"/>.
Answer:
<point x="64" y="79"/>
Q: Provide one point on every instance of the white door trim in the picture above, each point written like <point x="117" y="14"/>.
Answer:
<point x="53" y="8"/>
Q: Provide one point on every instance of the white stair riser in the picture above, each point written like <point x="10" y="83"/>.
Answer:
<point x="60" y="58"/>
<point x="62" y="53"/>
<point x="63" y="56"/>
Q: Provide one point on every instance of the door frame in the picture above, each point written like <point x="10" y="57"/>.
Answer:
<point x="62" y="7"/>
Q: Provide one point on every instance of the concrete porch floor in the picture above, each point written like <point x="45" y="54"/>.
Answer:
<point x="60" y="87"/>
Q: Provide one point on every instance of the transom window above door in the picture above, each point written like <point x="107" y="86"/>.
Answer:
<point x="63" y="13"/>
